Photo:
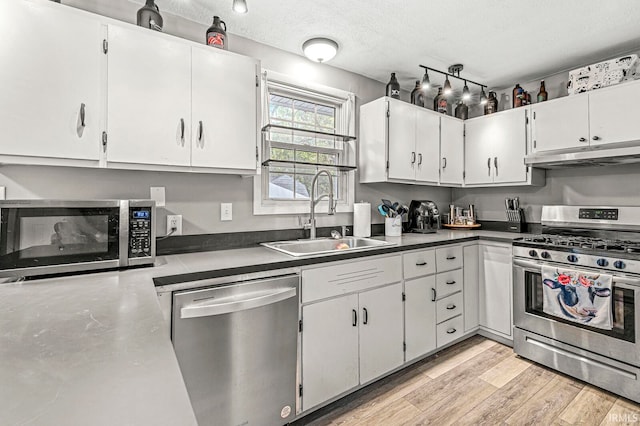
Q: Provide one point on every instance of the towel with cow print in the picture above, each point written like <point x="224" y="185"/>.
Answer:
<point x="582" y="297"/>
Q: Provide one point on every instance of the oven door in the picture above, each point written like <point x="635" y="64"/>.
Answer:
<point x="40" y="237"/>
<point x="620" y="343"/>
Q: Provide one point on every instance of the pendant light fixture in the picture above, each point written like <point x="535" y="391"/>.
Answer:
<point x="320" y="49"/>
<point x="466" y="94"/>
<point x="483" y="98"/>
<point x="240" y="6"/>
<point x="426" y="84"/>
<point x="447" y="87"/>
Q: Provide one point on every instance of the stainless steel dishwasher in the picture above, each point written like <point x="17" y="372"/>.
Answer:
<point x="237" y="348"/>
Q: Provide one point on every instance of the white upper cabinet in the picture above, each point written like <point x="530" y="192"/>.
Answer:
<point x="613" y="114"/>
<point x="402" y="140"/>
<point x="451" y="151"/>
<point x="560" y="124"/>
<point x="149" y="98"/>
<point x="225" y="105"/>
<point x="495" y="147"/>
<point x="605" y="116"/>
<point x="51" y="68"/>
<point x="427" y="145"/>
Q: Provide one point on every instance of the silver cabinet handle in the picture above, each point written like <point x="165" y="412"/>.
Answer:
<point x="232" y="304"/>
<point x="82" y="115"/>
<point x="451" y="331"/>
<point x="489" y="166"/>
<point x="419" y="159"/>
<point x="434" y="295"/>
<point x="200" y="131"/>
<point x="451" y="307"/>
<point x="596" y="138"/>
<point x="182" y="129"/>
<point x="444" y="162"/>
<point x="413" y="158"/>
<point x="495" y="163"/>
<point x="582" y="139"/>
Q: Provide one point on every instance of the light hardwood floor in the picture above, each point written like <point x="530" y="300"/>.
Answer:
<point x="478" y="381"/>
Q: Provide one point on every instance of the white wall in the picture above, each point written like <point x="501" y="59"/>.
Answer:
<point x="197" y="196"/>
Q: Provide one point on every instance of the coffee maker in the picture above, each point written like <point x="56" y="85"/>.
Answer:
<point x="424" y="216"/>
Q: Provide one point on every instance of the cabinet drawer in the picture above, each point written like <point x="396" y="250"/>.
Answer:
<point x="448" y="258"/>
<point x="449" y="331"/>
<point x="342" y="278"/>
<point x="449" y="282"/>
<point x="419" y="263"/>
<point x="449" y="307"/>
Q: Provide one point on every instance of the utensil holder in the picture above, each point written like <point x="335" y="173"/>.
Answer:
<point x="516" y="221"/>
<point x="393" y="226"/>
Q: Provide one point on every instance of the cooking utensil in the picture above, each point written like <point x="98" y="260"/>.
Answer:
<point x="382" y="209"/>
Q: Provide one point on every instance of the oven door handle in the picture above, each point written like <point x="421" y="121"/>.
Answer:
<point x="527" y="263"/>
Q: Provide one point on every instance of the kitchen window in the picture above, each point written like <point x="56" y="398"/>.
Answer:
<point x="284" y="185"/>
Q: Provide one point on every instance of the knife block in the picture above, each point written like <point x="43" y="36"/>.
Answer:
<point x="516" y="221"/>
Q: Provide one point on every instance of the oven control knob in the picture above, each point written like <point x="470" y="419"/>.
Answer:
<point x="533" y="253"/>
<point x="602" y="262"/>
<point x="571" y="258"/>
<point x="619" y="264"/>
<point x="545" y="255"/>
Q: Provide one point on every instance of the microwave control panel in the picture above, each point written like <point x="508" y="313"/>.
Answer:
<point x="139" y="232"/>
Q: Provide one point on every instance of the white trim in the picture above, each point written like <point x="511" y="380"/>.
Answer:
<point x="346" y="108"/>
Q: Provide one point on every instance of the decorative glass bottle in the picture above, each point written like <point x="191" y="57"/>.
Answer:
<point x="393" y="87"/>
<point x="417" y="95"/>
<point x="492" y="104"/>
<point x="217" y="34"/>
<point x="149" y="16"/>
<point x="542" y="94"/>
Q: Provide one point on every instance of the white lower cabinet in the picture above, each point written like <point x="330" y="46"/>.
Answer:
<point x="495" y="293"/>
<point x="350" y="339"/>
<point x="419" y="316"/>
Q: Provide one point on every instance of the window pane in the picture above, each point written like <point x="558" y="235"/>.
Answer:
<point x="282" y="154"/>
<point x="280" y="107"/>
<point x="307" y="156"/>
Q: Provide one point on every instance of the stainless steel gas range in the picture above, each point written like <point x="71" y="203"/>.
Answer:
<point x="577" y="295"/>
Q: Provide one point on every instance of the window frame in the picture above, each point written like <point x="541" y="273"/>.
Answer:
<point x="273" y="82"/>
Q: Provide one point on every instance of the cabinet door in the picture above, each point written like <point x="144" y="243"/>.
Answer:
<point x="149" y="97"/>
<point x="419" y="316"/>
<point x="224" y="131"/>
<point x="560" y="124"/>
<point x="613" y="114"/>
<point x="402" y="140"/>
<point x="427" y="146"/>
<point x="329" y="349"/>
<point x="478" y="154"/>
<point x="510" y="146"/>
<point x="381" y="334"/>
<point x="51" y="61"/>
<point x="451" y="151"/>
<point x="495" y="289"/>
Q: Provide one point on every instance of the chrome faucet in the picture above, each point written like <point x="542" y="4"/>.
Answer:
<point x="332" y="206"/>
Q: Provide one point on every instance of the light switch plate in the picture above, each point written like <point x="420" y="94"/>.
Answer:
<point x="157" y="194"/>
<point x="226" y="211"/>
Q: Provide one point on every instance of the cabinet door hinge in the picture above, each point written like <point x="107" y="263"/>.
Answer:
<point x="105" y="46"/>
<point x="300" y="390"/>
<point x="104" y="141"/>
<point x="404" y="297"/>
<point x="257" y="81"/>
<point x="300" y="326"/>
<point x="404" y="346"/>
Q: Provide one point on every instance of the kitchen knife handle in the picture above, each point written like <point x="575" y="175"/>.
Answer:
<point x="200" y="131"/>
<point x="413" y="158"/>
<point x="355" y="318"/>
<point x="419" y="159"/>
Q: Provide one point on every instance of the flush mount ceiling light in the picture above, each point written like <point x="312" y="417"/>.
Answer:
<point x="320" y="49"/>
<point x="240" y="6"/>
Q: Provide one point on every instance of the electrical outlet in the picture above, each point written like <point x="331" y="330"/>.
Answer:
<point x="226" y="211"/>
<point x="174" y="224"/>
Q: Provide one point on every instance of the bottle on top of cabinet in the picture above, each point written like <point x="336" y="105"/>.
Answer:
<point x="542" y="94"/>
<point x="440" y="102"/>
<point x="492" y="104"/>
<point x="417" y="95"/>
<point x="149" y="16"/>
<point x="462" y="111"/>
<point x="217" y="34"/>
<point x="517" y="96"/>
<point x="393" y="87"/>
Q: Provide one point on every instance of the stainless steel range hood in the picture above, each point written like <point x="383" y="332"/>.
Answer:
<point x="587" y="158"/>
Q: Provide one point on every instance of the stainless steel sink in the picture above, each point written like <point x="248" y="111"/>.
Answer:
<point x="326" y="245"/>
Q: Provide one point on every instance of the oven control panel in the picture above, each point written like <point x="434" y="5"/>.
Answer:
<point x="139" y="232"/>
<point x="604" y="214"/>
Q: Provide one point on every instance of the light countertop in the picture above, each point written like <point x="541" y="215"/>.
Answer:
<point x="91" y="348"/>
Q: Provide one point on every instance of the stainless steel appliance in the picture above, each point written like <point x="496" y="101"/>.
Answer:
<point x="237" y="348"/>
<point x="39" y="237"/>
<point x="424" y="216"/>
<point x="596" y="240"/>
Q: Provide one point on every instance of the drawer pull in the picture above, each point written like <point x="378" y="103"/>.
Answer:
<point x="451" y="257"/>
<point x="421" y="263"/>
<point x="451" y="307"/>
<point x="451" y="331"/>
<point x="433" y="295"/>
<point x="452" y="282"/>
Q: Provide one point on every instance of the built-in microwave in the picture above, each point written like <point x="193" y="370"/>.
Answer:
<point x="42" y="237"/>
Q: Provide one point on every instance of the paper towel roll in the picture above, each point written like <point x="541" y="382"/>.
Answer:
<point x="361" y="219"/>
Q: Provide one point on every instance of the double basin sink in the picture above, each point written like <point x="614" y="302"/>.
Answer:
<point x="326" y="245"/>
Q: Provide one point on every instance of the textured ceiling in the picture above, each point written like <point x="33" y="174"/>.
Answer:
<point x="500" y="42"/>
